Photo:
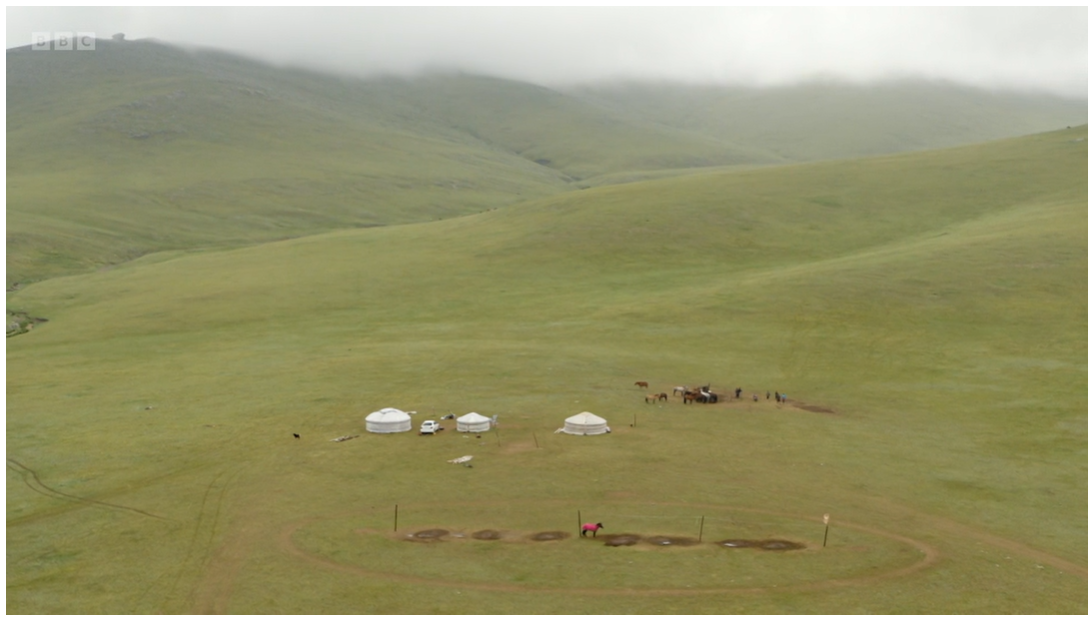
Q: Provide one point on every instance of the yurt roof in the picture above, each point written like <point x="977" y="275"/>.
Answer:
<point x="389" y="414"/>
<point x="472" y="416"/>
<point x="586" y="418"/>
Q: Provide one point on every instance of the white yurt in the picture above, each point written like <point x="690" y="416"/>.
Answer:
<point x="586" y="423"/>
<point x="473" y="423"/>
<point x="388" y="420"/>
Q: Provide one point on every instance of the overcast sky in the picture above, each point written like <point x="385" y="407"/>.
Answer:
<point x="1044" y="48"/>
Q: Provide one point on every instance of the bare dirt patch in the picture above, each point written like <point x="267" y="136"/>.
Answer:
<point x="487" y="534"/>
<point x="622" y="539"/>
<point x="427" y="535"/>
<point x="767" y="545"/>
<point x="671" y="541"/>
<point x="815" y="408"/>
<point x="780" y="545"/>
<point x="737" y="543"/>
<point x="546" y="536"/>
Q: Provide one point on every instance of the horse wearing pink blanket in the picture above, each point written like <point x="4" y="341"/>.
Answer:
<point x="592" y="527"/>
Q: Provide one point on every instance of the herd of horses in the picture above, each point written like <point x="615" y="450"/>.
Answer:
<point x="700" y="394"/>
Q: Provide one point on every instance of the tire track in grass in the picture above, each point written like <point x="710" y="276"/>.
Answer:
<point x="206" y="524"/>
<point x="957" y="529"/>
<point x="31" y="479"/>
<point x="192" y="543"/>
<point x="221" y="565"/>
<point x="208" y="548"/>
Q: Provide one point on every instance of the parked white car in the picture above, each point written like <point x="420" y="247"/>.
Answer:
<point x="429" y="427"/>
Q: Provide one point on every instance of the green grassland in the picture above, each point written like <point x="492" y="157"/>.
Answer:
<point x="933" y="302"/>
<point x="141" y="147"/>
<point x="830" y="119"/>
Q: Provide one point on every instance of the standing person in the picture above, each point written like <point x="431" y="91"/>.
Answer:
<point x="738" y="392"/>
<point x="777" y="397"/>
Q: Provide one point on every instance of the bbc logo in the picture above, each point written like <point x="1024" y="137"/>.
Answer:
<point x="62" y="41"/>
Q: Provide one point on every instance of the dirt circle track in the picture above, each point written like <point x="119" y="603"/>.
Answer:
<point x="916" y="555"/>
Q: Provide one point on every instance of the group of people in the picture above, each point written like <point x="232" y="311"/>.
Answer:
<point x="778" y="397"/>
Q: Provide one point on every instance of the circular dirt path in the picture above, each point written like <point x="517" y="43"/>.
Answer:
<point x="930" y="556"/>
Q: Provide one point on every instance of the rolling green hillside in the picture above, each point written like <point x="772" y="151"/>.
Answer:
<point x="141" y="147"/>
<point x="928" y="306"/>
<point x="824" y="120"/>
<point x="578" y="137"/>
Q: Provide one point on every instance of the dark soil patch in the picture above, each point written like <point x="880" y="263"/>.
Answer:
<point x="428" y="535"/>
<point x="737" y="543"/>
<point x="487" y="534"/>
<point x="622" y="539"/>
<point x="767" y="545"/>
<point x="780" y="545"/>
<point x="671" y="541"/>
<point x="545" y="536"/>
<point x="815" y="409"/>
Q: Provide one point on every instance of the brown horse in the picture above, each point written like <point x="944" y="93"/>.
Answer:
<point x="642" y="384"/>
<point x="657" y="397"/>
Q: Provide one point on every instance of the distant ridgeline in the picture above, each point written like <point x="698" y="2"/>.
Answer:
<point x="166" y="149"/>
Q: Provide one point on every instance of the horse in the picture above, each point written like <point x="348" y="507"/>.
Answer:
<point x="690" y="397"/>
<point x="592" y="527"/>
<point x="296" y="435"/>
<point x="642" y="384"/>
<point x="656" y="397"/>
<point x="679" y="390"/>
<point x="706" y="396"/>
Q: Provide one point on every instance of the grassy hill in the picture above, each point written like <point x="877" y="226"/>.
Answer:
<point x="824" y="120"/>
<point x="141" y="147"/>
<point x="931" y="302"/>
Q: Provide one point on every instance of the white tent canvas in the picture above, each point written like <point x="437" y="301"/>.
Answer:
<point x="473" y="423"/>
<point x="388" y="420"/>
<point x="586" y="423"/>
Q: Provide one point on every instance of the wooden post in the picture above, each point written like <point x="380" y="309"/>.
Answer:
<point x="534" y="440"/>
<point x="702" y="519"/>
<point x="827" y="525"/>
<point x="396" y="507"/>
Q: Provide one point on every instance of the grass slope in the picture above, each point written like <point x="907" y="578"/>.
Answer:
<point x="141" y="147"/>
<point x="824" y="120"/>
<point x="578" y="137"/>
<point x="931" y="300"/>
